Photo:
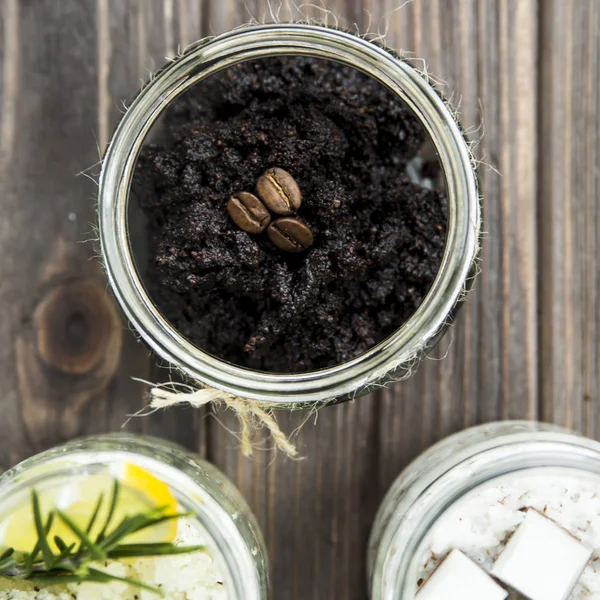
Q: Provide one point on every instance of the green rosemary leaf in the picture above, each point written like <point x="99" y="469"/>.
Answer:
<point x="66" y="564"/>
<point x="135" y="524"/>
<point x="7" y="554"/>
<point x="95" y="551"/>
<point x="73" y="562"/>
<point x="149" y="550"/>
<point x="111" y="511"/>
<point x="41" y="530"/>
<point x="103" y="577"/>
<point x="60" y="544"/>
<point x="94" y="516"/>
<point x="37" y="548"/>
<point x="50" y="578"/>
<point x="65" y="553"/>
<point x="125" y="528"/>
<point x="153" y="521"/>
<point x="28" y="564"/>
<point x="7" y="562"/>
<point x="159" y="513"/>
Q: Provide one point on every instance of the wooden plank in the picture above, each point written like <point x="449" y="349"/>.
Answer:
<point x="189" y="19"/>
<point x="485" y="53"/>
<point x="221" y="14"/>
<point x="569" y="217"/>
<point x="135" y="38"/>
<point x="315" y="512"/>
<point x="11" y="427"/>
<point x="60" y="330"/>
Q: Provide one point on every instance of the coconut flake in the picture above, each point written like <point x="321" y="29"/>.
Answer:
<point x="542" y="560"/>
<point x="459" y="578"/>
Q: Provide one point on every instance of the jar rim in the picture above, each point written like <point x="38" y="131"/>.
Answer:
<point x="414" y="337"/>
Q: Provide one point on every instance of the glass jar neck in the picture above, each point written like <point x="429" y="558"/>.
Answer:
<point x="394" y="355"/>
<point x="198" y="487"/>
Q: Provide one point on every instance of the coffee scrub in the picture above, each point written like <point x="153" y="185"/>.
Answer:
<point x="357" y="245"/>
<point x="289" y="224"/>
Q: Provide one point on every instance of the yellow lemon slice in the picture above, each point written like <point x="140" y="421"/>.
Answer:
<point x="139" y="492"/>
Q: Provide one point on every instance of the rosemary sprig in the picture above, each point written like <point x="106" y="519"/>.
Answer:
<point x="77" y="562"/>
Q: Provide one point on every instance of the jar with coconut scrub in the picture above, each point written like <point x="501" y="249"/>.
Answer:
<point x="504" y="510"/>
<point x="122" y="516"/>
<point x="289" y="213"/>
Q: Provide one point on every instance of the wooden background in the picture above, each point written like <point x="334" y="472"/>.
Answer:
<point x="525" y="346"/>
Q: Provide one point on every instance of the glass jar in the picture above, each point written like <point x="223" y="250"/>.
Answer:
<point x="218" y="511"/>
<point x="454" y="469"/>
<point x="396" y="356"/>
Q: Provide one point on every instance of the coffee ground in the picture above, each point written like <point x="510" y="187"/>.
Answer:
<point x="378" y="237"/>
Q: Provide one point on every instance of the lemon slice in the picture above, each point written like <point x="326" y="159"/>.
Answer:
<point x="139" y="492"/>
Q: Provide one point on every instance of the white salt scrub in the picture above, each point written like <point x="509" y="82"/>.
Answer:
<point x="194" y="576"/>
<point x="482" y="522"/>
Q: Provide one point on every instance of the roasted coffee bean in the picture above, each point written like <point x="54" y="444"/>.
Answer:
<point x="279" y="191"/>
<point x="248" y="212"/>
<point x="290" y="234"/>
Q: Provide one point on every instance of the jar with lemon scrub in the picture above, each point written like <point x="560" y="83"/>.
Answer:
<point x="126" y="517"/>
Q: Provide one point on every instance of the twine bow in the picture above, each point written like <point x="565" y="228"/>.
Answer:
<point x="250" y="413"/>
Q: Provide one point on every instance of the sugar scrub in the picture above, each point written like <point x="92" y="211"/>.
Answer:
<point x="481" y="523"/>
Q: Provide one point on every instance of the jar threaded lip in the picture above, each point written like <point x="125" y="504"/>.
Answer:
<point x="391" y="358"/>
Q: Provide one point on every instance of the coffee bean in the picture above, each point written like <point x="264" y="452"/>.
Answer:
<point x="290" y="234"/>
<point x="248" y="212"/>
<point x="279" y="191"/>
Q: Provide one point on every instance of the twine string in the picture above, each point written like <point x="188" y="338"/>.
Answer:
<point x="250" y="413"/>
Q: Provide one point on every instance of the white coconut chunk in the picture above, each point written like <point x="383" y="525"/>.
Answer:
<point x="542" y="560"/>
<point x="459" y="578"/>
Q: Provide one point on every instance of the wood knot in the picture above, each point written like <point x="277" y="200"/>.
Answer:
<point x="76" y="324"/>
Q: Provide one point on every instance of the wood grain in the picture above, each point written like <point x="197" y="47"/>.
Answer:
<point x="48" y="119"/>
<point x="568" y="213"/>
<point x="134" y="40"/>
<point x="525" y="74"/>
<point x="68" y="351"/>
